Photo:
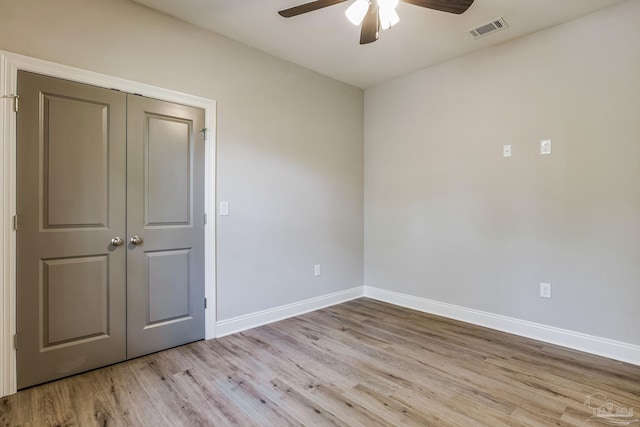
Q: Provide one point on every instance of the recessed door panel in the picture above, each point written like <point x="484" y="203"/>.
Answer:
<point x="168" y="170"/>
<point x="75" y="155"/>
<point x="71" y="201"/>
<point x="168" y="285"/>
<point x="75" y="299"/>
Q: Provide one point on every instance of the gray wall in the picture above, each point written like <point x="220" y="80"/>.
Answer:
<point x="447" y="218"/>
<point x="290" y="141"/>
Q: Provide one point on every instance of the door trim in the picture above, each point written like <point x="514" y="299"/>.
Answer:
<point x="10" y="63"/>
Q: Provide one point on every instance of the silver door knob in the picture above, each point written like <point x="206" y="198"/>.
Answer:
<point x="135" y="240"/>
<point x="117" y="241"/>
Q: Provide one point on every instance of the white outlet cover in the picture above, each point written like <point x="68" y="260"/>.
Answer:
<point x="506" y="151"/>
<point x="545" y="290"/>
<point x="316" y="270"/>
<point x="545" y="146"/>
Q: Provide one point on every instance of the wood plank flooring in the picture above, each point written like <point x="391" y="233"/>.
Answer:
<point x="361" y="363"/>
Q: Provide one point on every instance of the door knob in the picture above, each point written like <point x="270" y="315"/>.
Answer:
<point x="135" y="240"/>
<point x="117" y="241"/>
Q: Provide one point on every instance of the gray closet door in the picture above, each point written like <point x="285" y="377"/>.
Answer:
<point x="96" y="167"/>
<point x="71" y="148"/>
<point x="165" y="223"/>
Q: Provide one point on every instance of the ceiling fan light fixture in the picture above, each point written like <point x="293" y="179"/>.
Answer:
<point x="388" y="18"/>
<point x="356" y="12"/>
<point x="388" y="4"/>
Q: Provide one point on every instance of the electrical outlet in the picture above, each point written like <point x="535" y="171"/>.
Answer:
<point x="545" y="290"/>
<point x="545" y="146"/>
<point x="316" y="270"/>
<point x="506" y="151"/>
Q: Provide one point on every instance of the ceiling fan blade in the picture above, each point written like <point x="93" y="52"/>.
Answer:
<point x="308" y="7"/>
<point x="370" y="25"/>
<point x="451" y="6"/>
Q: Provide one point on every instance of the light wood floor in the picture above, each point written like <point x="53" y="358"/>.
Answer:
<point x="362" y="363"/>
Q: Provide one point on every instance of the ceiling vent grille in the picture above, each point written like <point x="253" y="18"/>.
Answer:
<point x="488" y="28"/>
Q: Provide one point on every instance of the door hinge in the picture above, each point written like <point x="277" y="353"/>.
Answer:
<point x="16" y="98"/>
<point x="205" y="219"/>
<point x="15" y="101"/>
<point x="204" y="133"/>
<point x="15" y="222"/>
<point x="205" y="303"/>
<point x="15" y="341"/>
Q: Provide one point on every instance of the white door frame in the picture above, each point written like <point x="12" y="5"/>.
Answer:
<point x="10" y="63"/>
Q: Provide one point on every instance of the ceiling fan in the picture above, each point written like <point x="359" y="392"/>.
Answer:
<point x="377" y="14"/>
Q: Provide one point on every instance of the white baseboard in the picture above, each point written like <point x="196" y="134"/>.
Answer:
<point x="253" y="320"/>
<point x="616" y="350"/>
<point x="612" y="349"/>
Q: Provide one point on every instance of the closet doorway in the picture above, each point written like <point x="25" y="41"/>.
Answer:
<point x="110" y="233"/>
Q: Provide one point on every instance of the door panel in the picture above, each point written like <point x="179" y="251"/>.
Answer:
<point x="75" y="299"/>
<point x="76" y="161"/>
<point x="71" y="176"/>
<point x="168" y="285"/>
<point x="168" y="171"/>
<point x="165" y="200"/>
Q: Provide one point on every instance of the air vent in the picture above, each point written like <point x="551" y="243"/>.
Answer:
<point x="488" y="28"/>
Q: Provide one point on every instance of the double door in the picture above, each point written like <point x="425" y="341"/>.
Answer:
<point x="110" y="232"/>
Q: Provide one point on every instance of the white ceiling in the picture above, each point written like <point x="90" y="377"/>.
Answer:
<point x="326" y="42"/>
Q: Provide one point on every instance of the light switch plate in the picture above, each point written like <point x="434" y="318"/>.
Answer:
<point x="506" y="151"/>
<point x="224" y="208"/>
<point x="545" y="146"/>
